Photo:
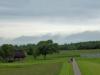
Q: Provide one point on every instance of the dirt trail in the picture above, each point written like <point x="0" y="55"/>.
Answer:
<point x="75" y="68"/>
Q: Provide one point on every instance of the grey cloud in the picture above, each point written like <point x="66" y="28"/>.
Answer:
<point x="70" y="9"/>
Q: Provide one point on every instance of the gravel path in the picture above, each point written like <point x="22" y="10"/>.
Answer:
<point x="76" y="68"/>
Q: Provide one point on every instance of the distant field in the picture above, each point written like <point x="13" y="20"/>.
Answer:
<point x="89" y="66"/>
<point x="73" y="53"/>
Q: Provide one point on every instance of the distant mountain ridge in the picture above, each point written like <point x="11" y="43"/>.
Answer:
<point x="79" y="37"/>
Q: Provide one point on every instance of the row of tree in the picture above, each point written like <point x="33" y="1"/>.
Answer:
<point x="81" y="46"/>
<point x="42" y="48"/>
<point x="10" y="52"/>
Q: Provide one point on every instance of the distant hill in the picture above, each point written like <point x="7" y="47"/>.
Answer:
<point x="82" y="37"/>
<point x="79" y="37"/>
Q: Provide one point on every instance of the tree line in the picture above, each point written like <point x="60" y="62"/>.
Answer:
<point x="10" y="53"/>
<point x="81" y="46"/>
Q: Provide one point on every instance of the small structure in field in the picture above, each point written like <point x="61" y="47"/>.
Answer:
<point x="19" y="54"/>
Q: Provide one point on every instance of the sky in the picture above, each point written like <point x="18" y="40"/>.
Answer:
<point x="37" y="17"/>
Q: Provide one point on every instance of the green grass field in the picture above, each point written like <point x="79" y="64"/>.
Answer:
<point x="33" y="69"/>
<point x="56" y="64"/>
<point x="38" y="67"/>
<point x="89" y="66"/>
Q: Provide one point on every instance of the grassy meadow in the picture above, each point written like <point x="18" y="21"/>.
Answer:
<point x="56" y="64"/>
<point x="36" y="69"/>
<point x="89" y="66"/>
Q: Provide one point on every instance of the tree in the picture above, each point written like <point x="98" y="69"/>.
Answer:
<point x="35" y="52"/>
<point x="7" y="52"/>
<point x="46" y="47"/>
<point x="28" y="48"/>
<point x="55" y="47"/>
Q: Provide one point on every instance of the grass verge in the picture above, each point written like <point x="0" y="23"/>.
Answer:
<point x="66" y="69"/>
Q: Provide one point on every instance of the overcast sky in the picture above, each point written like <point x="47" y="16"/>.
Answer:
<point x="35" y="17"/>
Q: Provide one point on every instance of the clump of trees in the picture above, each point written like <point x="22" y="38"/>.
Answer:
<point x="10" y="53"/>
<point x="47" y="47"/>
<point x="7" y="52"/>
<point x="42" y="48"/>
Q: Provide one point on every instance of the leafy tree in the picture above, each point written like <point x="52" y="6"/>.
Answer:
<point x="31" y="49"/>
<point x="7" y="52"/>
<point x="28" y="48"/>
<point x="35" y="52"/>
<point x="46" y="47"/>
